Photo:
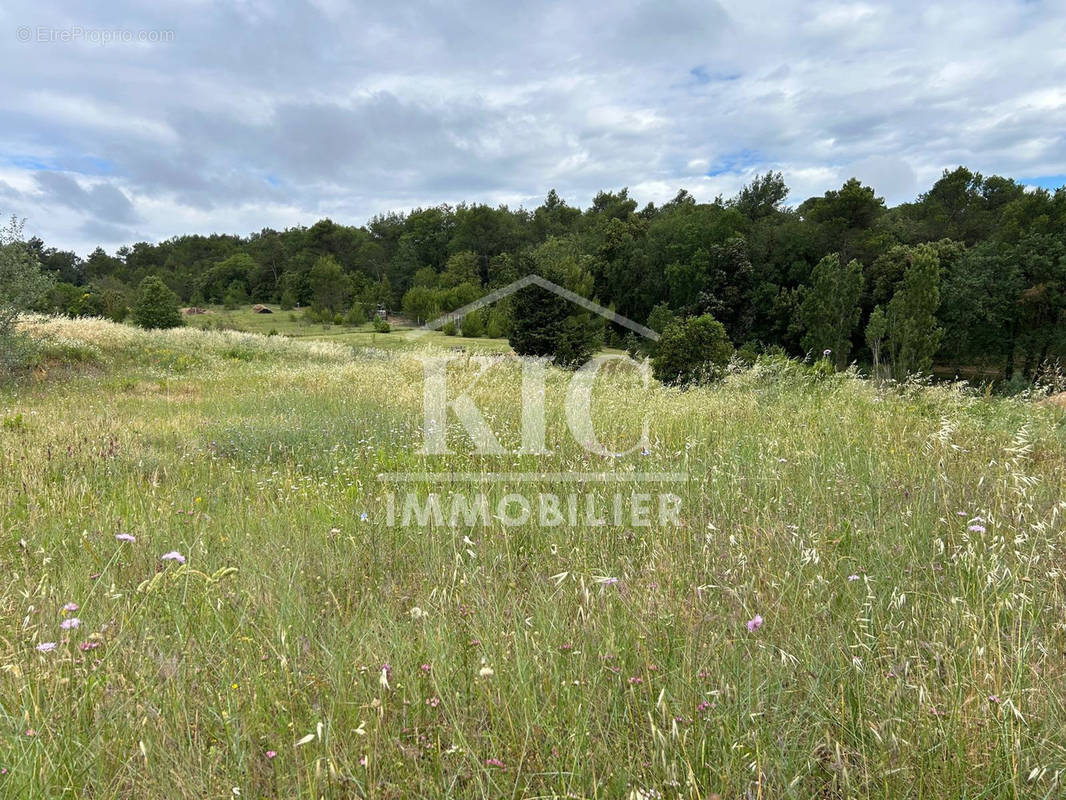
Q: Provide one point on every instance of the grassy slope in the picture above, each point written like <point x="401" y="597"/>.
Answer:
<point x="260" y="456"/>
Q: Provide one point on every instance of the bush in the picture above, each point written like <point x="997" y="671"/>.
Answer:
<point x="496" y="327"/>
<point x="693" y="351"/>
<point x="449" y="328"/>
<point x="338" y="319"/>
<point x="156" y="305"/>
<point x="356" y="315"/>
<point x="381" y="326"/>
<point x="473" y="325"/>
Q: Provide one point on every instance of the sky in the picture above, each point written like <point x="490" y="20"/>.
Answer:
<point x="124" y="122"/>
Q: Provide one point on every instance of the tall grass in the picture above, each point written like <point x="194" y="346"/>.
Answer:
<point x="903" y="548"/>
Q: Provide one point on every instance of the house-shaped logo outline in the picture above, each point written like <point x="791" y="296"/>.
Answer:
<point x="537" y="280"/>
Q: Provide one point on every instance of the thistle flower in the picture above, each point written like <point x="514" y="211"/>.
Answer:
<point x="755" y="623"/>
<point x="173" y="555"/>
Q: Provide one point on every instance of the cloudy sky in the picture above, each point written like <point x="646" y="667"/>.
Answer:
<point x="233" y="116"/>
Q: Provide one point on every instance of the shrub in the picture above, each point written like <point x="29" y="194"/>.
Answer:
<point x="356" y="314"/>
<point x="473" y="325"/>
<point x="381" y="326"/>
<point x="693" y="351"/>
<point x="450" y="328"/>
<point x="156" y="305"/>
<point x="496" y="327"/>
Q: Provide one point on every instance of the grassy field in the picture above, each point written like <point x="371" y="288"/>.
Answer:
<point x="293" y="324"/>
<point x="864" y="595"/>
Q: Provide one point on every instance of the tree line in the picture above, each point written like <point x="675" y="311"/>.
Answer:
<point x="970" y="276"/>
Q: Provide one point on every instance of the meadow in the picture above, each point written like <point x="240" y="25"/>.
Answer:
<point x="864" y="595"/>
<point x="294" y="325"/>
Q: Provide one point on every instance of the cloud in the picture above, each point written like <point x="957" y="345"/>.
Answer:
<point x="102" y="201"/>
<point x="277" y="113"/>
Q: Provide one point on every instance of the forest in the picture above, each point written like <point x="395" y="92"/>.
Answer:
<point x="967" y="280"/>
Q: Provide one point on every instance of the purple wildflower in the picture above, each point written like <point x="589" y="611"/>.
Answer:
<point x="755" y="623"/>
<point x="173" y="555"/>
<point x="72" y="622"/>
<point x="126" y="537"/>
<point x="46" y="647"/>
<point x="70" y="607"/>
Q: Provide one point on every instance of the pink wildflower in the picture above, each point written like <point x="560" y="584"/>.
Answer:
<point x="46" y="647"/>
<point x="755" y="623"/>
<point x="173" y="555"/>
<point x="270" y="754"/>
<point x="72" y="622"/>
<point x="70" y="607"/>
<point x="126" y="537"/>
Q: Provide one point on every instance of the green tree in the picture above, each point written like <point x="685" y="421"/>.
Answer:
<point x="830" y="308"/>
<point x="421" y="304"/>
<point x="22" y="285"/>
<point x="235" y="295"/>
<point x="497" y="325"/>
<point x="660" y="318"/>
<point x="762" y="197"/>
<point x="356" y="314"/>
<point x="473" y="324"/>
<point x="694" y="350"/>
<point x="330" y="287"/>
<point x="546" y="325"/>
<point x="461" y="268"/>
<point x="913" y="334"/>
<point x="876" y="328"/>
<point x="156" y="305"/>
